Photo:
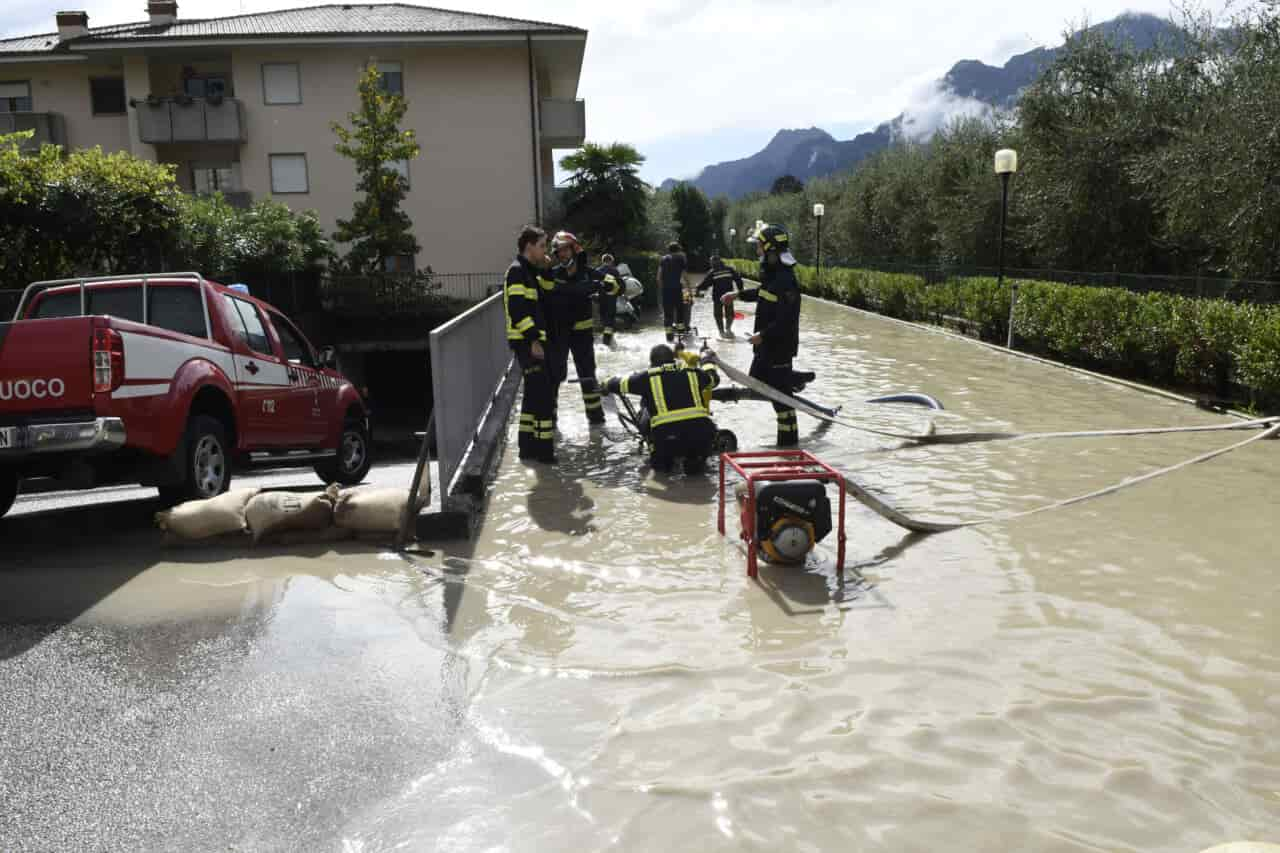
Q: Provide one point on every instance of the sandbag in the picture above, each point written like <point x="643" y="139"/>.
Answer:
<point x="277" y="512"/>
<point x="371" y="510"/>
<point x="206" y="519"/>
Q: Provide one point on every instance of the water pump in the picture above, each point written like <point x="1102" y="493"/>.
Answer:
<point x="790" y="518"/>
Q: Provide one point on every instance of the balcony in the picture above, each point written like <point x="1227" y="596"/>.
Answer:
<point x="163" y="120"/>
<point x="49" y="128"/>
<point x="564" y="123"/>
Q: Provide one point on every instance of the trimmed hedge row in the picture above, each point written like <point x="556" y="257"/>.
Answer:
<point x="1207" y="344"/>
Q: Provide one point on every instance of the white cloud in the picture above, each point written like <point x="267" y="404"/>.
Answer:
<point x="932" y="106"/>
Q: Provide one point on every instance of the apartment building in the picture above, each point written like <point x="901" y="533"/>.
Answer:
<point x="243" y="105"/>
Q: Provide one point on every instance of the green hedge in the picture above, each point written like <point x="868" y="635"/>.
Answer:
<point x="1206" y="344"/>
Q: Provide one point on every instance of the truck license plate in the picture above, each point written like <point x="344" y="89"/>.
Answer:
<point x="8" y="437"/>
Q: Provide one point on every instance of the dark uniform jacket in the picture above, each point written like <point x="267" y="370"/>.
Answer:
<point x="570" y="299"/>
<point x="672" y="394"/>
<point x="721" y="281"/>
<point x="777" y="312"/>
<point x="670" y="269"/>
<point x="526" y="317"/>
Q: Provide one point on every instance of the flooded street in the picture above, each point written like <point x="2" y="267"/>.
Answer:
<point x="596" y="670"/>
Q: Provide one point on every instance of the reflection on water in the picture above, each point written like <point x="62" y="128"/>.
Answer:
<point x="1099" y="678"/>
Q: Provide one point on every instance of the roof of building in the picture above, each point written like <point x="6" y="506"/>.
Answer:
<point x="344" y="19"/>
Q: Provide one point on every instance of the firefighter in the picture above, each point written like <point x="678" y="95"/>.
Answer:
<point x="612" y="279"/>
<point x="572" y="326"/>
<point x="777" y="330"/>
<point x="527" y="336"/>
<point x="671" y="271"/>
<point x="674" y="405"/>
<point x="721" y="279"/>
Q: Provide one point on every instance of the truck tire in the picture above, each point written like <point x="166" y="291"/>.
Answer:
<point x="8" y="490"/>
<point x="207" y="463"/>
<point x="354" y="459"/>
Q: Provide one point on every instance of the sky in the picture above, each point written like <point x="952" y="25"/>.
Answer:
<point x="695" y="82"/>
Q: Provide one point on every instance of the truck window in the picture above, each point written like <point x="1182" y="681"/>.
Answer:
<point x="295" y="349"/>
<point x="251" y="330"/>
<point x="178" y="309"/>
<point x="122" y="302"/>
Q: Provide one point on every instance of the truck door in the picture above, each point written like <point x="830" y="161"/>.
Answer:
<point x="307" y="410"/>
<point x="262" y="377"/>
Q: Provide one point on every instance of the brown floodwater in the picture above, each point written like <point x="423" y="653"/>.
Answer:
<point x="597" y="671"/>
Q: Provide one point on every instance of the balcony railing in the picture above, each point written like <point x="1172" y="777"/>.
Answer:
<point x="49" y="128"/>
<point x="162" y="120"/>
<point x="564" y="123"/>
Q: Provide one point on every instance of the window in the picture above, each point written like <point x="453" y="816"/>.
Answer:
<point x="122" y="302"/>
<point x="106" y="94"/>
<point x="289" y="173"/>
<point x="209" y="178"/>
<point x="281" y="83"/>
<point x="295" y="346"/>
<point x="15" y="97"/>
<point x="392" y="77"/>
<point x="250" y="330"/>
<point x="53" y="305"/>
<point x="399" y="264"/>
<point x="401" y="168"/>
<point x="178" y="309"/>
<point x="207" y="86"/>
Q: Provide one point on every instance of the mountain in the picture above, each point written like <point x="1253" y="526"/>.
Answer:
<point x="1000" y="87"/>
<point x="803" y="153"/>
<point x="815" y="153"/>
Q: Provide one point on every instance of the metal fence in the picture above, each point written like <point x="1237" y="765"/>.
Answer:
<point x="1205" y="287"/>
<point x="404" y="293"/>
<point x="469" y="359"/>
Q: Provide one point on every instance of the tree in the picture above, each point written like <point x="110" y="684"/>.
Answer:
<point x="787" y="184"/>
<point x="719" y="216"/>
<point x="606" y="202"/>
<point x="378" y="229"/>
<point x="693" y="218"/>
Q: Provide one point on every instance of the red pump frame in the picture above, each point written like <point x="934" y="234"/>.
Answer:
<point x="777" y="466"/>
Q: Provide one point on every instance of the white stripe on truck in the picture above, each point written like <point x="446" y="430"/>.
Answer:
<point x="130" y="391"/>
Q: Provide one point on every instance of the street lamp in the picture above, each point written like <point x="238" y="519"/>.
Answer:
<point x="819" y="211"/>
<point x="733" y="236"/>
<point x="1006" y="167"/>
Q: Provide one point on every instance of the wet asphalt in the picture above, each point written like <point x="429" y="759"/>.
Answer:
<point x="161" y="699"/>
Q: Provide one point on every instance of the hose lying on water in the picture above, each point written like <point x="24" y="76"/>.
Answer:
<point x="969" y="437"/>
<point x="1271" y="427"/>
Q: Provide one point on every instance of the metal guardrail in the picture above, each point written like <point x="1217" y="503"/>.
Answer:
<point x="469" y="359"/>
<point x="190" y="120"/>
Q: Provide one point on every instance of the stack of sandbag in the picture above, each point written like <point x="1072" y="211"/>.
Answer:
<point x="215" y="519"/>
<point x="291" y="516"/>
<point x="370" y="510"/>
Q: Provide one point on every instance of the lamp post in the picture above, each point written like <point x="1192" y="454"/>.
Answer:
<point x="1006" y="167"/>
<point x="819" y="211"/>
<point x="733" y="236"/>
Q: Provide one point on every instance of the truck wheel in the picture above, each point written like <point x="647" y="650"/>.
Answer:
<point x="8" y="490"/>
<point x="354" y="458"/>
<point x="207" y="466"/>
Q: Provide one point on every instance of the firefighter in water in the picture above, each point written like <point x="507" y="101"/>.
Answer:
<point x="673" y="397"/>
<point x="777" y="330"/>
<point x="527" y="336"/>
<point x="572" y="328"/>
<point x="612" y="279"/>
<point x="721" y="279"/>
<point x="671" y="272"/>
